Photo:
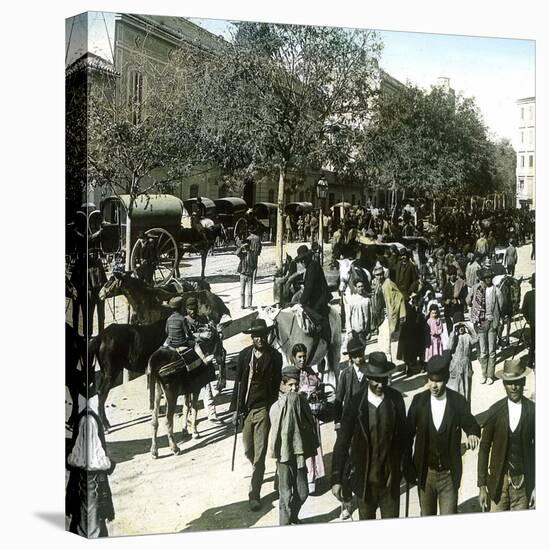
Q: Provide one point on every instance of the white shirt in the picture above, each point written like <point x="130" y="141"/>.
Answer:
<point x="515" y="410"/>
<point x="374" y="399"/>
<point x="438" y="406"/>
<point x="359" y="373"/>
<point x="358" y="313"/>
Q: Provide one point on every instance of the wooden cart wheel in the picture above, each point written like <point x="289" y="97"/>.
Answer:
<point x="167" y="255"/>
<point x="241" y="229"/>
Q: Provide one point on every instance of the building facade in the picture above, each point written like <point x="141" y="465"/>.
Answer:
<point x="526" y="154"/>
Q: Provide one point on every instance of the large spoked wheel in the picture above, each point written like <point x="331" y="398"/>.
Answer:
<point x="166" y="258"/>
<point x="240" y="229"/>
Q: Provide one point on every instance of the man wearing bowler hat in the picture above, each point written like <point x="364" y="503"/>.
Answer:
<point x="257" y="383"/>
<point x="436" y="418"/>
<point x="486" y="303"/>
<point x="508" y="446"/>
<point x="351" y="381"/>
<point x="373" y="428"/>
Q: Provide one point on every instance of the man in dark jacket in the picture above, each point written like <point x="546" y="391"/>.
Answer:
<point x="257" y="383"/>
<point x="436" y="419"/>
<point x="350" y="383"/>
<point x="454" y="295"/>
<point x="315" y="296"/>
<point x="373" y="427"/>
<point x="508" y="444"/>
<point x="406" y="275"/>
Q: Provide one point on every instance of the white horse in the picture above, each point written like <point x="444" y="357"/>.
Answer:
<point x="288" y="332"/>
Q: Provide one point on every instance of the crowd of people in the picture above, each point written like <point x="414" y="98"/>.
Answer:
<point x="430" y="307"/>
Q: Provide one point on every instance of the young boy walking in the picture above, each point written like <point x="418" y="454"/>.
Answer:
<point x="292" y="441"/>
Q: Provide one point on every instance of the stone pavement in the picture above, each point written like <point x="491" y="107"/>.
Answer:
<point x="197" y="490"/>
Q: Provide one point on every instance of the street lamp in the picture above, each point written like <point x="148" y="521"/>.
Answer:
<point x="321" y="192"/>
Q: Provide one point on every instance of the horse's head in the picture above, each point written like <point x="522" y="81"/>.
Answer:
<point x="345" y="270"/>
<point x="112" y="287"/>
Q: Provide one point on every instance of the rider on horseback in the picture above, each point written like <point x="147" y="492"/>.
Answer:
<point x="315" y="297"/>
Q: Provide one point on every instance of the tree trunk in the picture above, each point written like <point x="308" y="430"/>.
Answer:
<point x="279" y="217"/>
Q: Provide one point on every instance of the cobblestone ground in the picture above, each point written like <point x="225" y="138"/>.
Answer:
<point x="197" y="490"/>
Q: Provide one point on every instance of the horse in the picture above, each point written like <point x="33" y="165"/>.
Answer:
<point x="510" y="292"/>
<point x="146" y="301"/>
<point x="182" y="382"/>
<point x="288" y="332"/>
<point x="75" y="379"/>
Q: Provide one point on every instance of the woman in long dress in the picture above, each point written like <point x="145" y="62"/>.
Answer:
<point x="436" y="329"/>
<point x="461" y="343"/>
<point x="309" y="384"/>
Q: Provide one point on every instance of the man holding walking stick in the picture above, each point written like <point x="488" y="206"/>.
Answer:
<point x="257" y="384"/>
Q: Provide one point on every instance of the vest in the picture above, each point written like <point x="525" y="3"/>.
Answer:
<point x="175" y="328"/>
<point x="381" y="426"/>
<point x="438" y="456"/>
<point x="515" y="458"/>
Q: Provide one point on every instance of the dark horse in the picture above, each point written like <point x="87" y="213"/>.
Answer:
<point x="75" y="379"/>
<point x="181" y="383"/>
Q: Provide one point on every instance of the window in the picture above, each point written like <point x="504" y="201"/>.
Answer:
<point x="522" y="161"/>
<point x="136" y="97"/>
<point x="331" y="199"/>
<point x="530" y="161"/>
<point x="193" y="192"/>
<point x="352" y="199"/>
<point x="521" y="183"/>
<point x="271" y="195"/>
<point x="530" y="136"/>
<point x="222" y="193"/>
<point x="522" y="138"/>
<point x="301" y="196"/>
<point x="522" y="113"/>
<point x="531" y="112"/>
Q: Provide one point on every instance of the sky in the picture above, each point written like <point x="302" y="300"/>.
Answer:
<point x="495" y="71"/>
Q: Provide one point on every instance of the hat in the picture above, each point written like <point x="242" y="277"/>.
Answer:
<point x="452" y="270"/>
<point x="258" y="326"/>
<point x="512" y="370"/>
<point x="439" y="364"/>
<point x="176" y="303"/>
<point x="354" y="344"/>
<point x="486" y="272"/>
<point x="378" y="366"/>
<point x="291" y="371"/>
<point x="403" y="252"/>
<point x="191" y="302"/>
<point x="378" y="269"/>
<point x="302" y="253"/>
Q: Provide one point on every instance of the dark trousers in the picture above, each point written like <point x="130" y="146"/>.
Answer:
<point x="293" y="490"/>
<point x="439" y="488"/>
<point x="379" y="497"/>
<point x="512" y="498"/>
<point x="255" y="438"/>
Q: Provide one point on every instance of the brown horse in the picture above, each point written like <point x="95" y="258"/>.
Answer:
<point x="146" y="301"/>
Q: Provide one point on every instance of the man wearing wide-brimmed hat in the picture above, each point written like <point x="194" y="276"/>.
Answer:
<point x="436" y="418"/>
<point x="486" y="303"/>
<point x="506" y="459"/>
<point x="257" y="383"/>
<point x="373" y="428"/>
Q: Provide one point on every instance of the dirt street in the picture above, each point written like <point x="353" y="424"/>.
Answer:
<point x="197" y="490"/>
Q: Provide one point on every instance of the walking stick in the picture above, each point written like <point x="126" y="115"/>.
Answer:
<point x="407" y="506"/>
<point x="236" y="425"/>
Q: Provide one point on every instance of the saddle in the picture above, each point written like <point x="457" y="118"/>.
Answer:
<point x="185" y="358"/>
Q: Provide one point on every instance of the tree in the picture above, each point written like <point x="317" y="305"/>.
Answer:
<point x="432" y="143"/>
<point x="145" y="142"/>
<point x="285" y="97"/>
